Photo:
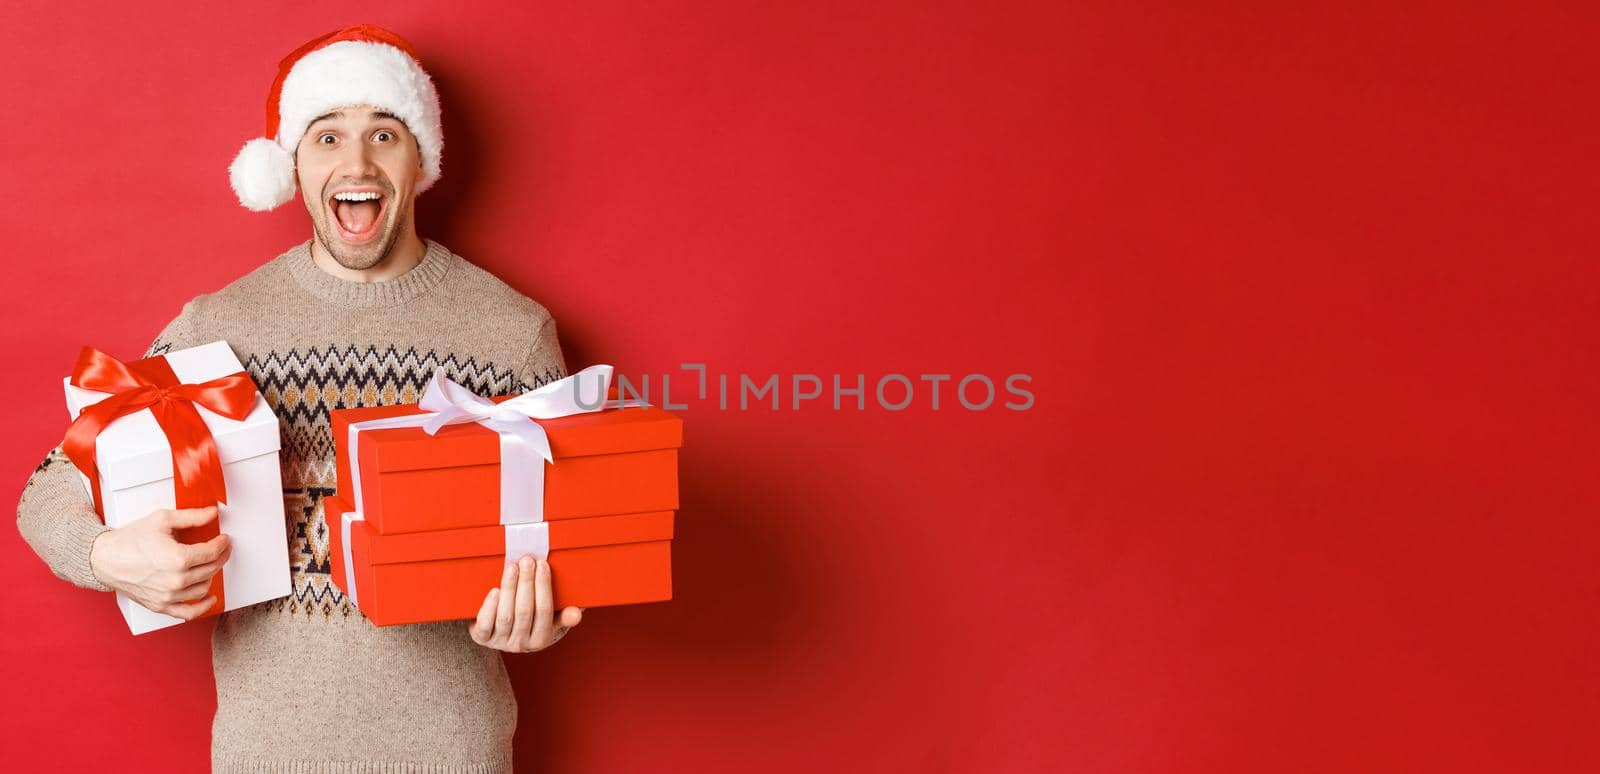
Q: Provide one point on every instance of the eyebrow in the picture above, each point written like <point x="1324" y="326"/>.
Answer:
<point x="340" y="114"/>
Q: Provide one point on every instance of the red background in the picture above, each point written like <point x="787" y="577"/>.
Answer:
<point x="1308" y="297"/>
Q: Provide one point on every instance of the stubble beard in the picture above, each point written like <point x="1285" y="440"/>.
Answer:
<point x="358" y="257"/>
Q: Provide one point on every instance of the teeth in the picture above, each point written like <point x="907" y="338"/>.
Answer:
<point x="355" y="196"/>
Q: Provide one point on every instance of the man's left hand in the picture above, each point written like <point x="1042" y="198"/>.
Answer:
<point x="519" y="616"/>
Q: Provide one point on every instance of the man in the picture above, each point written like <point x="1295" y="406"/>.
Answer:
<point x="361" y="314"/>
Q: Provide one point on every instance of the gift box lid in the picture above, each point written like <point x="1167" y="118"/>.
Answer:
<point x="490" y="540"/>
<point x="133" y="450"/>
<point x="411" y="448"/>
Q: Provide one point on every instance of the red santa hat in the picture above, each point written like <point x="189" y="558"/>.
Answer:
<point x="360" y="65"/>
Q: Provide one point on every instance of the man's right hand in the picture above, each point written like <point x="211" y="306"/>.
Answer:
<point x="143" y="560"/>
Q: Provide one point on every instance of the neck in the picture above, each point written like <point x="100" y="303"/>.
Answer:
<point x="404" y="256"/>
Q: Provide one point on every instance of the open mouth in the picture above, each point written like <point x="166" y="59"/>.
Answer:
<point x="357" y="213"/>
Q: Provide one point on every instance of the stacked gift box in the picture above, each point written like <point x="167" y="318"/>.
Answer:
<point x="427" y="515"/>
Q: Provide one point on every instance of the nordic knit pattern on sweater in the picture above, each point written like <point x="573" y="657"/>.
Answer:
<point x="306" y="683"/>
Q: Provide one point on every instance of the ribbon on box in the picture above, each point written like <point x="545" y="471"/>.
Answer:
<point x="524" y="448"/>
<point x="152" y="384"/>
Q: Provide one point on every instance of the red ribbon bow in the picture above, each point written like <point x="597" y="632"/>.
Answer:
<point x="152" y="384"/>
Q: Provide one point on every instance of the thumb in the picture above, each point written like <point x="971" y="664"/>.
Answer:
<point x="191" y="517"/>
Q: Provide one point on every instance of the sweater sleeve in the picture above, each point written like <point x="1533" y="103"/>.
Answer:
<point x="55" y="515"/>
<point x="545" y="362"/>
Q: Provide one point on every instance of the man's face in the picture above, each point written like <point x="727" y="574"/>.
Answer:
<point x="358" y="168"/>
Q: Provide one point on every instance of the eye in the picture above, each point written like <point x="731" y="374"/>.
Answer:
<point x="326" y="138"/>
<point x="383" y="135"/>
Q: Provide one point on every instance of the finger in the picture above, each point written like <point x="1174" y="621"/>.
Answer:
<point x="197" y="554"/>
<point x="543" y="616"/>
<point x="189" y="517"/>
<point x="202" y="572"/>
<point x="483" y="627"/>
<point x="189" y="611"/>
<point x="192" y="592"/>
<point x="504" y="615"/>
<point x="523" y="629"/>
<point x="571" y="616"/>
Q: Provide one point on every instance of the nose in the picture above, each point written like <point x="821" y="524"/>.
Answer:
<point x="356" y="161"/>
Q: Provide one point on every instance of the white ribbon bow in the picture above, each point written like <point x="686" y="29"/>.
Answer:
<point x="524" y="447"/>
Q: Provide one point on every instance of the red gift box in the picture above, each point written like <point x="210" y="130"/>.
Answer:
<point x="607" y="462"/>
<point x="445" y="574"/>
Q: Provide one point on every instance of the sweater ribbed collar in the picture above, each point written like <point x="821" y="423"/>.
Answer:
<point x="436" y="264"/>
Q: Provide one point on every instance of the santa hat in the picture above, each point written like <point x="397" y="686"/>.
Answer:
<point x="360" y="65"/>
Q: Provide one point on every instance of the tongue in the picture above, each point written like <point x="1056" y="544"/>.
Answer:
<point x="356" y="217"/>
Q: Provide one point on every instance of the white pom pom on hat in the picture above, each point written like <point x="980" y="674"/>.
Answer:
<point x="262" y="175"/>
<point x="359" y="65"/>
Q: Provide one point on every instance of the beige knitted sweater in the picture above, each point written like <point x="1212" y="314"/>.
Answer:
<point x="306" y="683"/>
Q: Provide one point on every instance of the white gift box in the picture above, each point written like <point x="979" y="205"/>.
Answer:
<point x="136" y="478"/>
